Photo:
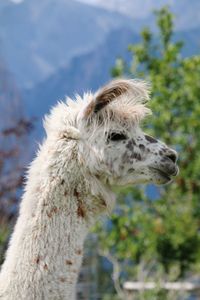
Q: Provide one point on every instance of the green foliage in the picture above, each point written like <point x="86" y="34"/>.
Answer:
<point x="4" y="232"/>
<point x="165" y="231"/>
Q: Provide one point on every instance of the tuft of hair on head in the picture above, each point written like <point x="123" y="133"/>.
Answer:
<point x="122" y="98"/>
<point x="60" y="123"/>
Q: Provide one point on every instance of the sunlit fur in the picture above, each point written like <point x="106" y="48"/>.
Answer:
<point x="70" y="183"/>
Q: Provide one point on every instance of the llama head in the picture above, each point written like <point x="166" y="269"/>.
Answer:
<point x="111" y="143"/>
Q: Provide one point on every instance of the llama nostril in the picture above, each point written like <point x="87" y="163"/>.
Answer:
<point x="172" y="156"/>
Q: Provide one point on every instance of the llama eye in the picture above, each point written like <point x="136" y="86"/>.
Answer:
<point x="116" y="136"/>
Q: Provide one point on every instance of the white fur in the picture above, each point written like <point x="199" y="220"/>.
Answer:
<point x="68" y="186"/>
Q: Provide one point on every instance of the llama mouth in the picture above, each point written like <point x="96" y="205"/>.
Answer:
<point x="164" y="175"/>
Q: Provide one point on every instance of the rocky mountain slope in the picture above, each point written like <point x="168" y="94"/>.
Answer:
<point x="39" y="37"/>
<point x="187" y="12"/>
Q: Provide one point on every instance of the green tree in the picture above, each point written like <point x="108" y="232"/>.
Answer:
<point x="162" y="236"/>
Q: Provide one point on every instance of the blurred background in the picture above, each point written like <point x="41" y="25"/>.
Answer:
<point x="53" y="48"/>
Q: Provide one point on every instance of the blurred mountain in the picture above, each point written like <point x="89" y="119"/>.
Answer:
<point x="187" y="12"/>
<point x="38" y="37"/>
<point x="83" y="73"/>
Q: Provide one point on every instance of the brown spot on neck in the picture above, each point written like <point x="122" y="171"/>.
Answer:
<point x="104" y="203"/>
<point x="80" y="211"/>
<point x="78" y="251"/>
<point x="74" y="271"/>
<point x="80" y="208"/>
<point x="76" y="193"/>
<point x="68" y="262"/>
<point x="55" y="209"/>
<point x="52" y="211"/>
<point x="37" y="260"/>
<point x="63" y="279"/>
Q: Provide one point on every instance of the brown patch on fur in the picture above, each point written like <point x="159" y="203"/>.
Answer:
<point x="45" y="267"/>
<point x="76" y="193"/>
<point x="109" y="93"/>
<point x="89" y="109"/>
<point x="53" y="210"/>
<point x="62" y="182"/>
<point x="37" y="260"/>
<point x="62" y="279"/>
<point x="80" y="210"/>
<point x="65" y="193"/>
<point x="78" y="251"/>
<point x="103" y="202"/>
<point x="68" y="262"/>
<point x="49" y="214"/>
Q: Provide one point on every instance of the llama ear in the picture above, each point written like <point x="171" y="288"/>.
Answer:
<point x="108" y="93"/>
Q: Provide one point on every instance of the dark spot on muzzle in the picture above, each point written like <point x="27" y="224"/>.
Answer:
<point x="161" y="152"/>
<point x="150" y="139"/>
<point x="136" y="156"/>
<point x="130" y="144"/>
<point x="142" y="147"/>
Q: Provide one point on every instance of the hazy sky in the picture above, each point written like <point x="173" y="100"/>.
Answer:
<point x="16" y="1"/>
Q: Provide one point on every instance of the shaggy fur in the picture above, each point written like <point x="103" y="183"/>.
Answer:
<point x="92" y="144"/>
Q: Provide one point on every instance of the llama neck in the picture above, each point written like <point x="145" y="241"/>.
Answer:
<point x="45" y="252"/>
<point x="49" y="248"/>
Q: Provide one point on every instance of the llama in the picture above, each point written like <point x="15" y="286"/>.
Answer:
<point x="92" y="144"/>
